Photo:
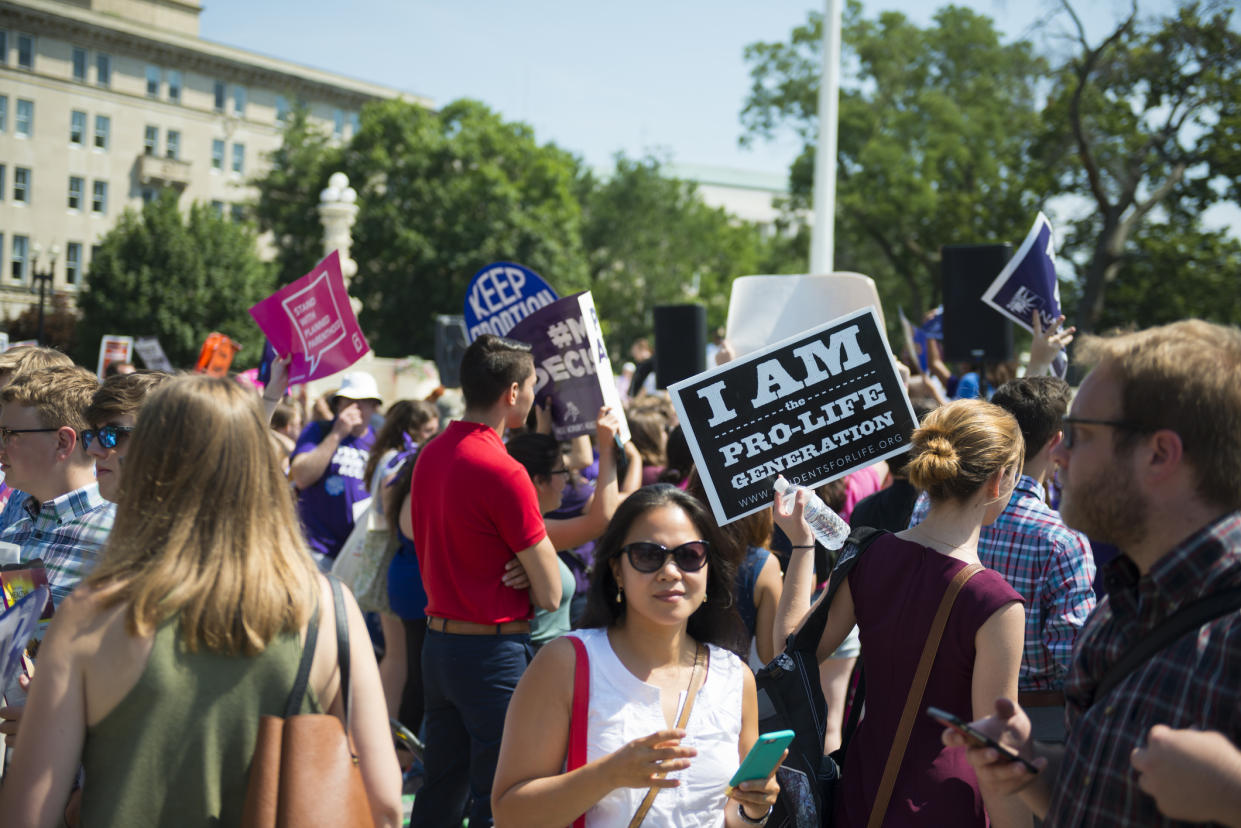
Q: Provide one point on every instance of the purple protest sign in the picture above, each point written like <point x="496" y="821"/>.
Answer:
<point x="313" y="320"/>
<point x="1028" y="282"/>
<point x="572" y="368"/>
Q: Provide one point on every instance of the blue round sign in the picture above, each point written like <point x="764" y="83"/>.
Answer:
<point x="501" y="295"/>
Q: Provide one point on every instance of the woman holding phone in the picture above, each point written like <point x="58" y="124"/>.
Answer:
<point x="966" y="456"/>
<point x="155" y="671"/>
<point x="659" y="617"/>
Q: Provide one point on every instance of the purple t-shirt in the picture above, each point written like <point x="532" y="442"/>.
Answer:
<point x="329" y="508"/>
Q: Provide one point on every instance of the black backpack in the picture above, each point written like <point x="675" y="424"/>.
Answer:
<point x="790" y="697"/>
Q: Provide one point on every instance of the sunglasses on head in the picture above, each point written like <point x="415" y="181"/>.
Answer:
<point x="648" y="556"/>
<point x="108" y="435"/>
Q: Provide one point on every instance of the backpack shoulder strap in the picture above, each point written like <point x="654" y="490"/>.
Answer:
<point x="1187" y="618"/>
<point x="806" y="637"/>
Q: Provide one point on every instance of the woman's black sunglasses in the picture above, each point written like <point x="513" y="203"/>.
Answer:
<point x="646" y="556"/>
<point x="108" y="435"/>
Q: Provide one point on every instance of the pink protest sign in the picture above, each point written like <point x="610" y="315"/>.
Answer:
<point x="312" y="320"/>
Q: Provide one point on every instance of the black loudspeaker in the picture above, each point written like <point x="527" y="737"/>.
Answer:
<point x="973" y="331"/>
<point x="451" y="341"/>
<point x="680" y="343"/>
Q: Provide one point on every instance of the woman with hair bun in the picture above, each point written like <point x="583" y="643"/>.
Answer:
<point x="966" y="456"/>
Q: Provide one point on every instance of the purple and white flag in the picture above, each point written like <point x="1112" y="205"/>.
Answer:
<point x="1028" y="282"/>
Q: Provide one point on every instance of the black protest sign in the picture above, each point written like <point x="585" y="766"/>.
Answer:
<point x="813" y="407"/>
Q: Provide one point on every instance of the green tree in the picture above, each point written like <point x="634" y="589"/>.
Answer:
<point x="60" y="323"/>
<point x="1150" y="117"/>
<point x="1175" y="272"/>
<point x="935" y="130"/>
<point x="652" y="241"/>
<point x="174" y="276"/>
<point x="441" y="195"/>
<point x="289" y="195"/>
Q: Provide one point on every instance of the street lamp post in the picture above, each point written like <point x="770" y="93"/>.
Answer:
<point x="45" y="278"/>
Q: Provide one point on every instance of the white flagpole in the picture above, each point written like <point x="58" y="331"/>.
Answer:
<point x="822" y="237"/>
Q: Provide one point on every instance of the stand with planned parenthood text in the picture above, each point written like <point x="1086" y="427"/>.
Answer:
<point x="812" y="407"/>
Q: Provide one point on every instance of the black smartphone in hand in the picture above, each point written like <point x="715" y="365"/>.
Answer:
<point x="975" y="737"/>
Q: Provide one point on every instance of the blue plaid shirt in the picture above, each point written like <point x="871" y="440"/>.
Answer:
<point x="1051" y="567"/>
<point x="1192" y="683"/>
<point x="67" y="532"/>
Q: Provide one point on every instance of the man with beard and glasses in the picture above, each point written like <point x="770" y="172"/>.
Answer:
<point x="1150" y="463"/>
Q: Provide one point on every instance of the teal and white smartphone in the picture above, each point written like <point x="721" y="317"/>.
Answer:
<point x="763" y="757"/>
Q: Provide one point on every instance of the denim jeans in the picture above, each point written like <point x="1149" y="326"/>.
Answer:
<point x="468" y="681"/>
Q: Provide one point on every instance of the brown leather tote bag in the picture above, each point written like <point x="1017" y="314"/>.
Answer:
<point x="304" y="773"/>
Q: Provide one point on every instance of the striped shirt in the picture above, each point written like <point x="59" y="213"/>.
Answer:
<point x="1192" y="683"/>
<point x="1051" y="566"/>
<point x="67" y="533"/>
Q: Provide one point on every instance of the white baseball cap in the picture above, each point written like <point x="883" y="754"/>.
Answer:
<point x="358" y="385"/>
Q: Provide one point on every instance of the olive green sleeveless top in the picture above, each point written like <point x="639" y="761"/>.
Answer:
<point x="176" y="751"/>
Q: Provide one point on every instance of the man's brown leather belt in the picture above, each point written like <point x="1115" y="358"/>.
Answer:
<point x="448" y="625"/>
<point x="1040" y="698"/>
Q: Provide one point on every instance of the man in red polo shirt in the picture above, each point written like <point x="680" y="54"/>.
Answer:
<point x="474" y="508"/>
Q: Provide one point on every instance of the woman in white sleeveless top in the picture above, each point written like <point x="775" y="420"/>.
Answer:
<point x="660" y="598"/>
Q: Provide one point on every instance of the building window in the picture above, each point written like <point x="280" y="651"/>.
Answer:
<point x="239" y="101"/>
<point x="24" y="122"/>
<point x="2" y="190"/>
<point x="238" y="212"/>
<point x="21" y="185"/>
<point x="173" y="144"/>
<point x="99" y="199"/>
<point x="103" y="126"/>
<point x="79" y="65"/>
<point x="152" y="81"/>
<point x="338" y="124"/>
<point x="25" y="51"/>
<point x="150" y="140"/>
<point x="77" y="127"/>
<point x="76" y="188"/>
<point x="219" y="96"/>
<point x="174" y="86"/>
<point x="239" y="158"/>
<point x="4" y="60"/>
<point x="149" y="194"/>
<point x="217" y="207"/>
<point x="353" y="124"/>
<point x="217" y="154"/>
<point x="4" y="113"/>
<point x="73" y="262"/>
<point x="103" y="69"/>
<point x="282" y="109"/>
<point x="18" y="271"/>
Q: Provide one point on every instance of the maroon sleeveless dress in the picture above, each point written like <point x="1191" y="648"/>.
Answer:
<point x="897" y="586"/>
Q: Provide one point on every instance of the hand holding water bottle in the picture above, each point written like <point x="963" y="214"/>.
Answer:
<point x="827" y="527"/>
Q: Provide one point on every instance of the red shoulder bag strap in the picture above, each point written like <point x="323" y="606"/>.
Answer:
<point x="581" y="709"/>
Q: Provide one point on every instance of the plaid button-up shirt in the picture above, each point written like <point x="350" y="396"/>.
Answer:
<point x="1192" y="683"/>
<point x="1051" y="567"/>
<point x="67" y="532"/>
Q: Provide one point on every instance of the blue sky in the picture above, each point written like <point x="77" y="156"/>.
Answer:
<point x="594" y="78"/>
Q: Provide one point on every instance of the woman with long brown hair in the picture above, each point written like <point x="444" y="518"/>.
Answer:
<point x="154" y="672"/>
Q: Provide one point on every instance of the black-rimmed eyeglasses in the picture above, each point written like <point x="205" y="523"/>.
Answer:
<point x="6" y="433"/>
<point x="1067" y="424"/>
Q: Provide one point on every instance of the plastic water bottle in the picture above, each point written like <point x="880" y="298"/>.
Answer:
<point x="828" y="527"/>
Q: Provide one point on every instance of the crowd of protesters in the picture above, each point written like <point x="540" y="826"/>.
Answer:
<point x="186" y="526"/>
